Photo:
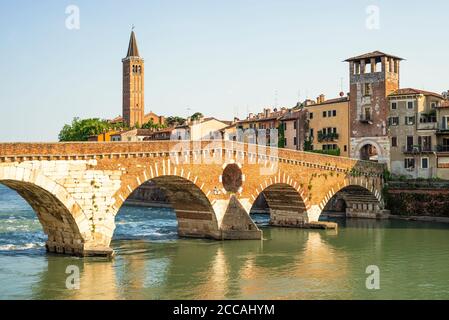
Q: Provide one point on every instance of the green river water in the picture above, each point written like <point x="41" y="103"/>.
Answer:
<point x="151" y="262"/>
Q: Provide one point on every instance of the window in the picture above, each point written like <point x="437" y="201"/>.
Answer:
<point x="393" y="121"/>
<point x="409" y="120"/>
<point x="394" y="105"/>
<point x="425" y="143"/>
<point x="311" y="115"/>
<point x="409" y="163"/>
<point x="285" y="141"/>
<point x="394" y="141"/>
<point x="345" y="148"/>
<point x="295" y="141"/>
<point x="424" y="163"/>
<point x="433" y="105"/>
<point x="295" y="125"/>
<point x="334" y="130"/>
<point x="329" y="113"/>
<point x="445" y="123"/>
<point x="409" y="143"/>
<point x="324" y="114"/>
<point x="367" y="89"/>
<point x="311" y="133"/>
<point x="334" y="113"/>
<point x="410" y="104"/>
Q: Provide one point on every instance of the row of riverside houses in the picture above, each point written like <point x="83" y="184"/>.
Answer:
<point x="405" y="128"/>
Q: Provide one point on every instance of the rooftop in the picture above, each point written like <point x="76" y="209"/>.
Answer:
<point x="330" y="101"/>
<point x="412" y="91"/>
<point x="133" y="51"/>
<point x="374" y="54"/>
<point x="444" y="104"/>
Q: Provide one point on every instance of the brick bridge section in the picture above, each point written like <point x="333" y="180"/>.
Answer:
<point x="76" y="189"/>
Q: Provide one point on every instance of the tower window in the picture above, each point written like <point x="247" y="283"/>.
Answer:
<point x="367" y="89"/>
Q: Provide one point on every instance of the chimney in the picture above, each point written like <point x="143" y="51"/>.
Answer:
<point x="322" y="98"/>
<point x="267" y="112"/>
<point x="250" y="116"/>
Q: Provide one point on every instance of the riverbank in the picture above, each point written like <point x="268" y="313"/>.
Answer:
<point x="430" y="198"/>
<point x="342" y="215"/>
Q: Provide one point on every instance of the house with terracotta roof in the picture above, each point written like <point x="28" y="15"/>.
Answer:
<point x="265" y="123"/>
<point x="328" y="125"/>
<point x="200" y="129"/>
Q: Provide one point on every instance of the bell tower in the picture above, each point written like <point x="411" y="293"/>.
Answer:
<point x="133" y="85"/>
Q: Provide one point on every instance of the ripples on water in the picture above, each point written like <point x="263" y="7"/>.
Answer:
<point x="153" y="263"/>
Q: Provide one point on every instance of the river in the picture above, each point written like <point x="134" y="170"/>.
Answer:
<point x="151" y="262"/>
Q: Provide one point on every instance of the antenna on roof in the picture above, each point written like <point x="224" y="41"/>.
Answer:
<point x="275" y="98"/>
<point x="132" y="27"/>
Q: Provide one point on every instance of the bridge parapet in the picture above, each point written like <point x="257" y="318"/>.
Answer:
<point x="12" y="152"/>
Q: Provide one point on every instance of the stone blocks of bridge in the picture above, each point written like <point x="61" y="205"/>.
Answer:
<point x="78" y="189"/>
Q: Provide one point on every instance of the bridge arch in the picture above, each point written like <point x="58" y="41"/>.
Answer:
<point x="61" y="217"/>
<point x="357" y="197"/>
<point x="194" y="211"/>
<point x="286" y="204"/>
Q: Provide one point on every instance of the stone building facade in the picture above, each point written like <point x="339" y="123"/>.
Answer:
<point x="295" y="128"/>
<point x="413" y="124"/>
<point x="373" y="76"/>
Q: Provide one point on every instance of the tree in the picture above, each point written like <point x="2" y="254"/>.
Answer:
<point x="174" y="120"/>
<point x="151" y="125"/>
<point x="196" y="116"/>
<point x="81" y="129"/>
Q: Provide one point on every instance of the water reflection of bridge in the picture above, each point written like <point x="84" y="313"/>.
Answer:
<point x="290" y="264"/>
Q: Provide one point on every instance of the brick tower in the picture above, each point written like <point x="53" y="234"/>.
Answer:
<point x="373" y="76"/>
<point x="133" y="85"/>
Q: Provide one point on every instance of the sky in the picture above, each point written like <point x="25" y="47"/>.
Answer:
<point x="221" y="58"/>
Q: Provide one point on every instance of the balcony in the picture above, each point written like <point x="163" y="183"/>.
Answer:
<point x="327" y="136"/>
<point x="443" y="148"/>
<point x="418" y="149"/>
<point x="366" y="119"/>
<point x="443" y="129"/>
<point x="427" y="124"/>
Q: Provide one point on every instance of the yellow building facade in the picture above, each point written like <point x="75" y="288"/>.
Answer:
<point x="328" y="122"/>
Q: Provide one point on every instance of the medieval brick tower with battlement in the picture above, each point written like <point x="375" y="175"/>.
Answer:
<point x="373" y="77"/>
<point x="133" y="85"/>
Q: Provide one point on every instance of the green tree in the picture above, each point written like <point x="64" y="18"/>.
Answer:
<point x="174" y="120"/>
<point x="281" y="136"/>
<point x="196" y="116"/>
<point x="81" y="129"/>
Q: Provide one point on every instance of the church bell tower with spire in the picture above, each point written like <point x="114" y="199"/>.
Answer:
<point x="133" y="85"/>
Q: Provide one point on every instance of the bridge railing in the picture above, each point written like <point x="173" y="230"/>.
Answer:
<point x="83" y="150"/>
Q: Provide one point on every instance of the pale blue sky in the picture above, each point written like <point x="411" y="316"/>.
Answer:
<point x="222" y="58"/>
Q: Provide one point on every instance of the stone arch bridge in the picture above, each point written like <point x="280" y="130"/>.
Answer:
<point x="76" y="189"/>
